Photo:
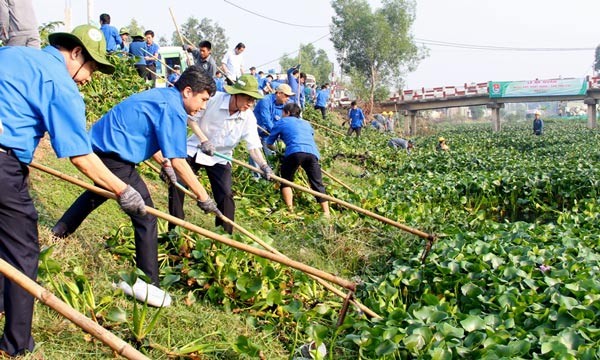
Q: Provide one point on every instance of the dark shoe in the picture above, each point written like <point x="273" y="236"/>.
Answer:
<point x="60" y="230"/>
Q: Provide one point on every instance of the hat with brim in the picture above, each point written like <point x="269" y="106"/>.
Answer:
<point x="245" y="84"/>
<point x="123" y="31"/>
<point x="285" y="89"/>
<point x="91" y="39"/>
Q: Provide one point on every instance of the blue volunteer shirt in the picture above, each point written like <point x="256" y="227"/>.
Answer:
<point x="322" y="98"/>
<point x="293" y="83"/>
<point x="142" y="124"/>
<point x="149" y="51"/>
<point x="297" y="134"/>
<point x="267" y="112"/>
<point x="220" y="83"/>
<point x="136" y="49"/>
<point x="111" y="34"/>
<point x="356" y="117"/>
<point x="37" y="95"/>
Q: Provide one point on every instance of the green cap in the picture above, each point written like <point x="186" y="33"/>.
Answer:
<point x="123" y="31"/>
<point x="245" y="84"/>
<point x="91" y="39"/>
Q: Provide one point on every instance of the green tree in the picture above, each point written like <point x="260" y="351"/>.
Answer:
<point x="314" y="61"/>
<point x="375" y="45"/>
<point x="597" y="59"/>
<point x="135" y="28"/>
<point x="194" y="31"/>
<point x="46" y="29"/>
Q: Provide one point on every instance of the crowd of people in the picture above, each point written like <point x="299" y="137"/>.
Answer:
<point x="222" y="105"/>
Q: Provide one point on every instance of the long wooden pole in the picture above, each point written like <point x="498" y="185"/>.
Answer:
<point x="383" y="219"/>
<point x="327" y="128"/>
<point x="48" y="298"/>
<point x="323" y="171"/>
<point x="259" y="241"/>
<point x="209" y="234"/>
<point x="187" y="55"/>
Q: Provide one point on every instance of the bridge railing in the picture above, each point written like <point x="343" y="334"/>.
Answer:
<point x="444" y="92"/>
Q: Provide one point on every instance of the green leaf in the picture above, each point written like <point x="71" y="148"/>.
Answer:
<point x="117" y="315"/>
<point x="472" y="323"/>
<point x="449" y="331"/>
<point x="273" y="297"/>
<point x="386" y="347"/>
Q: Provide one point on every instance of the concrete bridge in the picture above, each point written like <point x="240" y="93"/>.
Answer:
<point x="493" y="96"/>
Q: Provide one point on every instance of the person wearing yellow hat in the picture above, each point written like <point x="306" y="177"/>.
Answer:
<point x="39" y="95"/>
<point x="538" y="124"/>
<point x="441" y="145"/>
<point x="227" y="120"/>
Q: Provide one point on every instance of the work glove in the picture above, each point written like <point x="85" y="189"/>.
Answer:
<point x="186" y="47"/>
<point x="267" y="171"/>
<point x="209" y="206"/>
<point x="131" y="201"/>
<point x="207" y="147"/>
<point x="167" y="174"/>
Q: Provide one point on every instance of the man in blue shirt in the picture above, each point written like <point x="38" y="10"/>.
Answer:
<point x="137" y="51"/>
<point x="300" y="150"/>
<point x="150" y="55"/>
<point x="219" y="81"/>
<point x="112" y="36"/>
<point x="293" y="75"/>
<point x="269" y="110"/>
<point x="135" y="130"/>
<point x="39" y="94"/>
<point x="321" y="100"/>
<point x="356" y="117"/>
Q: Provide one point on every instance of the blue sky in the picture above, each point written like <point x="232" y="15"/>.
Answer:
<point x="507" y="23"/>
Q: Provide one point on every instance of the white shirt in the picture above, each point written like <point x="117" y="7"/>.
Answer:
<point x="223" y="130"/>
<point x="234" y="63"/>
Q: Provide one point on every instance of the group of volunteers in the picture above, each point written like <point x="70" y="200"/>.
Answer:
<point x="39" y="94"/>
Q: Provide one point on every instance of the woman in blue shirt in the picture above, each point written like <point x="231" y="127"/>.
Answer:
<point x="300" y="150"/>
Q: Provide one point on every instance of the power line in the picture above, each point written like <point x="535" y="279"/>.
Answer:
<point x="272" y="19"/>
<point x="497" y="48"/>
<point x="293" y="52"/>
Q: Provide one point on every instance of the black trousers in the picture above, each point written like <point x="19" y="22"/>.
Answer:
<point x="323" y="110"/>
<point x="19" y="247"/>
<point x="145" y="233"/>
<point x="220" y="181"/>
<point x="311" y="166"/>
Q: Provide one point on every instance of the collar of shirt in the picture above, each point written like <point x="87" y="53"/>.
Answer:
<point x="224" y="130"/>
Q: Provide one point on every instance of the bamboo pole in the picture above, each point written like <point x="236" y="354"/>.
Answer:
<point x="323" y="171"/>
<point x="209" y="234"/>
<point x="337" y="180"/>
<point x="158" y="59"/>
<point x="383" y="219"/>
<point x="327" y="128"/>
<point x="48" y="298"/>
<point x="187" y="55"/>
<point x="259" y="241"/>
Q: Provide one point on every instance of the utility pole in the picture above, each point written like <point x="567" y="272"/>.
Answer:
<point x="90" y="11"/>
<point x="68" y="25"/>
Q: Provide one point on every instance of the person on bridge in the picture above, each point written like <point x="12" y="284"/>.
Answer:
<point x="538" y="124"/>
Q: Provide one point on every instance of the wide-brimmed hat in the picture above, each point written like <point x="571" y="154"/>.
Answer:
<point x="91" y="39"/>
<point x="441" y="138"/>
<point x="123" y="31"/>
<point x="286" y="89"/>
<point x="245" y="84"/>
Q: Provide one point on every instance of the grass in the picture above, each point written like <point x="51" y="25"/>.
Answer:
<point x="334" y="246"/>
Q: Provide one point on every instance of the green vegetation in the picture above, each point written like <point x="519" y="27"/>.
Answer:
<point x="512" y="275"/>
